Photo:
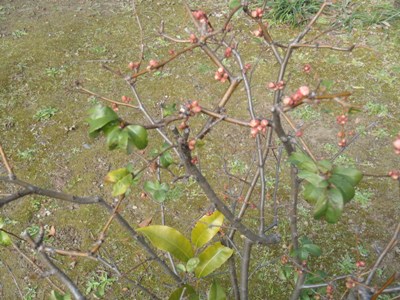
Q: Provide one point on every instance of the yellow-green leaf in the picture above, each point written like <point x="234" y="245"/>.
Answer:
<point x="4" y="239"/>
<point x="116" y="175"/>
<point x="216" y="292"/>
<point x="206" y="228"/>
<point x="169" y="239"/>
<point x="122" y="185"/>
<point x="212" y="258"/>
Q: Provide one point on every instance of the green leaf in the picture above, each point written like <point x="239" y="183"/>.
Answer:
<point x="112" y="137"/>
<point x="234" y="3"/>
<point x="169" y="239"/>
<point x="324" y="166"/>
<point x="5" y="239"/>
<point x="206" y="228"/>
<point x="344" y="186"/>
<point x="321" y="206"/>
<point x="314" y="179"/>
<point x="303" y="162"/>
<point x="157" y="190"/>
<point x="54" y="295"/>
<point x="116" y="175"/>
<point x="122" y="185"/>
<point x="181" y="268"/>
<point x="327" y="84"/>
<point x="352" y="175"/>
<point x="186" y="292"/>
<point x="212" y="258"/>
<point x="99" y="116"/>
<point x="192" y="264"/>
<point x="138" y="135"/>
<point x="313" y="249"/>
<point x="166" y="159"/>
<point x="335" y="205"/>
<point x="123" y="142"/>
<point x="216" y="292"/>
<point x="169" y="109"/>
<point x="312" y="193"/>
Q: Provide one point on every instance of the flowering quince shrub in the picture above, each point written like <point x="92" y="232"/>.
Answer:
<point x="192" y="265"/>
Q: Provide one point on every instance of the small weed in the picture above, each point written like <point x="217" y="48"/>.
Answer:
<point x="45" y="113"/>
<point x="30" y="293"/>
<point x="347" y="265"/>
<point x="306" y="113"/>
<point x="54" y="72"/>
<point x="237" y="167"/>
<point x="36" y="204"/>
<point x="19" y="33"/>
<point x="294" y="12"/>
<point x="98" y="284"/>
<point x="376" y="109"/>
<point x="27" y="154"/>
<point x="363" y="197"/>
<point x="362" y="251"/>
<point x="93" y="100"/>
<point x="33" y="230"/>
<point x="99" y="50"/>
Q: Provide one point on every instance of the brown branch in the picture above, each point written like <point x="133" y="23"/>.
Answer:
<point x="54" y="270"/>
<point x="389" y="246"/>
<point x="86" y="91"/>
<point x="192" y="170"/>
<point x="6" y="164"/>
<point x="391" y="279"/>
<point x="14" y="279"/>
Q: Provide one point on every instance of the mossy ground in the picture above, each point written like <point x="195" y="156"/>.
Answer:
<point x="47" y="45"/>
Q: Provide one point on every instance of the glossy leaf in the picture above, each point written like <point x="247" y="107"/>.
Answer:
<point x="186" y="292"/>
<point x="216" y="292"/>
<point x="314" y="179"/>
<point x="313" y="249"/>
<point x="303" y="162"/>
<point x="99" y="116"/>
<point x="344" y="186"/>
<point x="138" y="136"/>
<point x="212" y="258"/>
<point x="352" y="175"/>
<point x="321" y="206"/>
<point x="116" y="175"/>
<point x="312" y="193"/>
<point x="123" y="141"/>
<point x="335" y="205"/>
<point x="168" y="239"/>
<point x="192" y="264"/>
<point x="5" y="239"/>
<point x="206" y="228"/>
<point x="112" y="137"/>
<point x="324" y="166"/>
<point x="122" y="185"/>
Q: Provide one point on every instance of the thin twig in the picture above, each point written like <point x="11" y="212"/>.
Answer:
<point x="14" y="279"/>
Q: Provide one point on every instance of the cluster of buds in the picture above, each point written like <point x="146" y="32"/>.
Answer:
<point x="395" y="174"/>
<point x="247" y="67"/>
<point x="258" y="126"/>
<point x="342" y="119"/>
<point x="297" y="97"/>
<point x="152" y="64"/>
<point x="360" y="264"/>
<point x="134" y="65"/>
<point x="221" y="75"/>
<point x="276" y="85"/>
<point x="126" y="99"/>
<point x="259" y="32"/>
<point x="201" y="16"/>
<point x="193" y="39"/>
<point x="329" y="291"/>
<point x="192" y="144"/>
<point x="258" y="13"/>
<point x="342" y="141"/>
<point x="228" y="52"/>
<point x="114" y="107"/>
<point x="190" y="109"/>
<point x="396" y="144"/>
<point x="307" y="68"/>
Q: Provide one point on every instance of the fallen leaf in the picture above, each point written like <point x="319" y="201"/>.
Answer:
<point x="145" y="222"/>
